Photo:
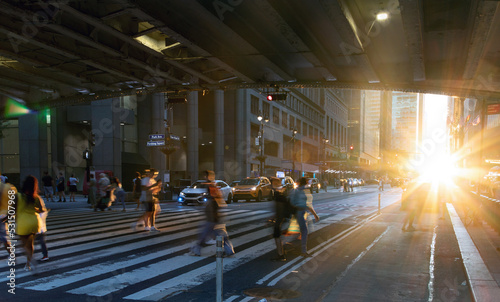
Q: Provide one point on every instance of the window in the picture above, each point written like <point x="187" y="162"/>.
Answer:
<point x="276" y="115"/>
<point x="298" y="124"/>
<point x="292" y="122"/>
<point x="265" y="110"/>
<point x="254" y="106"/>
<point x="284" y="119"/>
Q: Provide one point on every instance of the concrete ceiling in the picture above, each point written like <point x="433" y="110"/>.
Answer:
<point x="56" y="53"/>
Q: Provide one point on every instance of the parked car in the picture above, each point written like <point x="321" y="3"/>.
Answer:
<point x="313" y="185"/>
<point x="371" y="182"/>
<point x="287" y="184"/>
<point x="234" y="183"/>
<point x="197" y="193"/>
<point x="180" y="185"/>
<point x="253" y="188"/>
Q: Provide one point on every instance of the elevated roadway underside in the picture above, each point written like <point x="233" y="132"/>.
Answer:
<point x="63" y="52"/>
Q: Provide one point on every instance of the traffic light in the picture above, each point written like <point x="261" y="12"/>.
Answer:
<point x="177" y="99"/>
<point x="92" y="139"/>
<point x="276" y="96"/>
<point x="86" y="154"/>
<point x="351" y="147"/>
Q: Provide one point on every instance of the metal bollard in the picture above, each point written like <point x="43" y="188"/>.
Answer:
<point x="219" y="268"/>
<point x="378" y="203"/>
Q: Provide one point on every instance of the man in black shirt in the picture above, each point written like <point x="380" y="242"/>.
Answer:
<point x="48" y="186"/>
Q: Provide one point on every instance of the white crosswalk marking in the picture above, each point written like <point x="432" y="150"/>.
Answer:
<point x="98" y="255"/>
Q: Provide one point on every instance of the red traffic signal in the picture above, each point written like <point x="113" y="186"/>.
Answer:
<point x="276" y="97"/>
<point x="351" y="147"/>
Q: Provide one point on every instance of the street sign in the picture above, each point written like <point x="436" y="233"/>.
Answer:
<point x="155" y="143"/>
<point x="175" y="137"/>
<point x="157" y="136"/>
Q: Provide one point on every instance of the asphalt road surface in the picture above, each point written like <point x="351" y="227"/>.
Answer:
<point x="358" y="254"/>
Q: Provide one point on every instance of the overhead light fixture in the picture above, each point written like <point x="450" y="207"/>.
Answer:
<point x="382" y="16"/>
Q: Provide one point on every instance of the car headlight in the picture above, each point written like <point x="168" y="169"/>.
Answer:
<point x="253" y="188"/>
<point x="205" y="194"/>
<point x="319" y="186"/>
<point x="182" y="194"/>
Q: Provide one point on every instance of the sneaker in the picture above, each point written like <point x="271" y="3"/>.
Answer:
<point x="281" y="258"/>
<point x="153" y="230"/>
<point x="147" y="228"/>
<point x="211" y="242"/>
<point x="27" y="267"/>
<point x="193" y="253"/>
<point x="46" y="258"/>
<point x="34" y="266"/>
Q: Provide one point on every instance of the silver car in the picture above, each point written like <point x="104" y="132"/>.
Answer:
<point x="197" y="193"/>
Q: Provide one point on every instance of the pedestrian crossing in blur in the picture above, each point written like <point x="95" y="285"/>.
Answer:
<point x="99" y="255"/>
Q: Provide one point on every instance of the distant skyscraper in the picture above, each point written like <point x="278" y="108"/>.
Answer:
<point x="371" y="125"/>
<point x="404" y="121"/>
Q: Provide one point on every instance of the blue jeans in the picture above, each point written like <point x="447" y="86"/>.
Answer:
<point x="41" y="239"/>
<point x="208" y="231"/>
<point x="303" y="229"/>
<point x="120" y="196"/>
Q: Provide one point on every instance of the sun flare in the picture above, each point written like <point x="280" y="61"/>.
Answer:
<point x="440" y="170"/>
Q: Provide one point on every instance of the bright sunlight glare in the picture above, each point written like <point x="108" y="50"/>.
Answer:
<point x="441" y="169"/>
<point x="438" y="167"/>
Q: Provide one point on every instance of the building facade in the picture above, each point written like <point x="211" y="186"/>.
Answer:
<point x="216" y="130"/>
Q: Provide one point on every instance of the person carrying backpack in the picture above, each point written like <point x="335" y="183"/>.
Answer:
<point x="283" y="210"/>
<point x="299" y="199"/>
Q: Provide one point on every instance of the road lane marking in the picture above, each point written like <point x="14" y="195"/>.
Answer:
<point x="430" y="286"/>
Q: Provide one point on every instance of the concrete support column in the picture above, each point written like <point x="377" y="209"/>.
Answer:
<point x="158" y="159"/>
<point x="192" y="136"/>
<point x="33" y="148"/>
<point x="219" y="134"/>
<point x="242" y="134"/>
<point x="107" y="153"/>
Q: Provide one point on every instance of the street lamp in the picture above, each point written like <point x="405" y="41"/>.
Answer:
<point x="325" y="141"/>
<point x="262" y="157"/>
<point x="294" y="132"/>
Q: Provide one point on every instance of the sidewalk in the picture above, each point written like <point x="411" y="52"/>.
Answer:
<point x="479" y="248"/>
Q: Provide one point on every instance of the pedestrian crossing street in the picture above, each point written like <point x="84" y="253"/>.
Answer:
<point x="97" y="254"/>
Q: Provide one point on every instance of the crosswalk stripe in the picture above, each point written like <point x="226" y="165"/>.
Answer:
<point x="162" y="267"/>
<point x="117" y="260"/>
<point x="57" y="281"/>
<point x="130" y="240"/>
